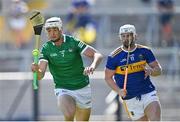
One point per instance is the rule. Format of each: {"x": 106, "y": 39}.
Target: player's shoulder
{"x": 68, "y": 36}
{"x": 115, "y": 52}
{"x": 47, "y": 44}
{"x": 143, "y": 47}
{"x": 73, "y": 41}
{"x": 70, "y": 39}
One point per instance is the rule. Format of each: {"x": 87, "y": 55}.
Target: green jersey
{"x": 65, "y": 63}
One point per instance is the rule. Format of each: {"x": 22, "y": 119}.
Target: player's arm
{"x": 95, "y": 56}
{"x": 110, "y": 81}
{"x": 40, "y": 68}
{"x": 154, "y": 70}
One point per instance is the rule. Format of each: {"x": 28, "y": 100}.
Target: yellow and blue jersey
{"x": 138, "y": 58}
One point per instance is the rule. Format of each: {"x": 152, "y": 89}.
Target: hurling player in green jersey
{"x": 62, "y": 53}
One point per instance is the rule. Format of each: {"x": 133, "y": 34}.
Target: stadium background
{"x": 16, "y": 94}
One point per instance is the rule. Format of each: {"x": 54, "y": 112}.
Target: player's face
{"x": 126, "y": 37}
{"x": 53, "y": 33}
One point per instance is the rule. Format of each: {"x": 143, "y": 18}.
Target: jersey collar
{"x": 129, "y": 51}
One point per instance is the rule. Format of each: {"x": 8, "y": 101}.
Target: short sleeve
{"x": 149, "y": 56}
{"x": 80, "y": 45}
{"x": 43, "y": 54}
{"x": 110, "y": 64}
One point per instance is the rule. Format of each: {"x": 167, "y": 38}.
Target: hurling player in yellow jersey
{"x": 139, "y": 95}
{"x": 62, "y": 53}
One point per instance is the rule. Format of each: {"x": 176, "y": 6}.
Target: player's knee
{"x": 69, "y": 113}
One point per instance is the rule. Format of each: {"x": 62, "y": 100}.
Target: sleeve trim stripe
{"x": 43, "y": 60}
{"x": 80, "y": 44}
{"x": 84, "y": 49}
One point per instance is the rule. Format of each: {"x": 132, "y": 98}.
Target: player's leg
{"x": 153, "y": 111}
{"x": 67, "y": 105}
{"x": 152, "y": 107}
{"x": 82, "y": 114}
{"x": 136, "y": 110}
{"x": 83, "y": 103}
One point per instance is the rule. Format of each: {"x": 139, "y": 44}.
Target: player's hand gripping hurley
{"x": 37, "y": 21}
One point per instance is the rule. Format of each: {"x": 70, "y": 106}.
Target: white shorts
{"x": 136, "y": 107}
{"x": 81, "y": 96}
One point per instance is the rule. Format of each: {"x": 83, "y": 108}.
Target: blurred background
{"x": 97, "y": 23}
